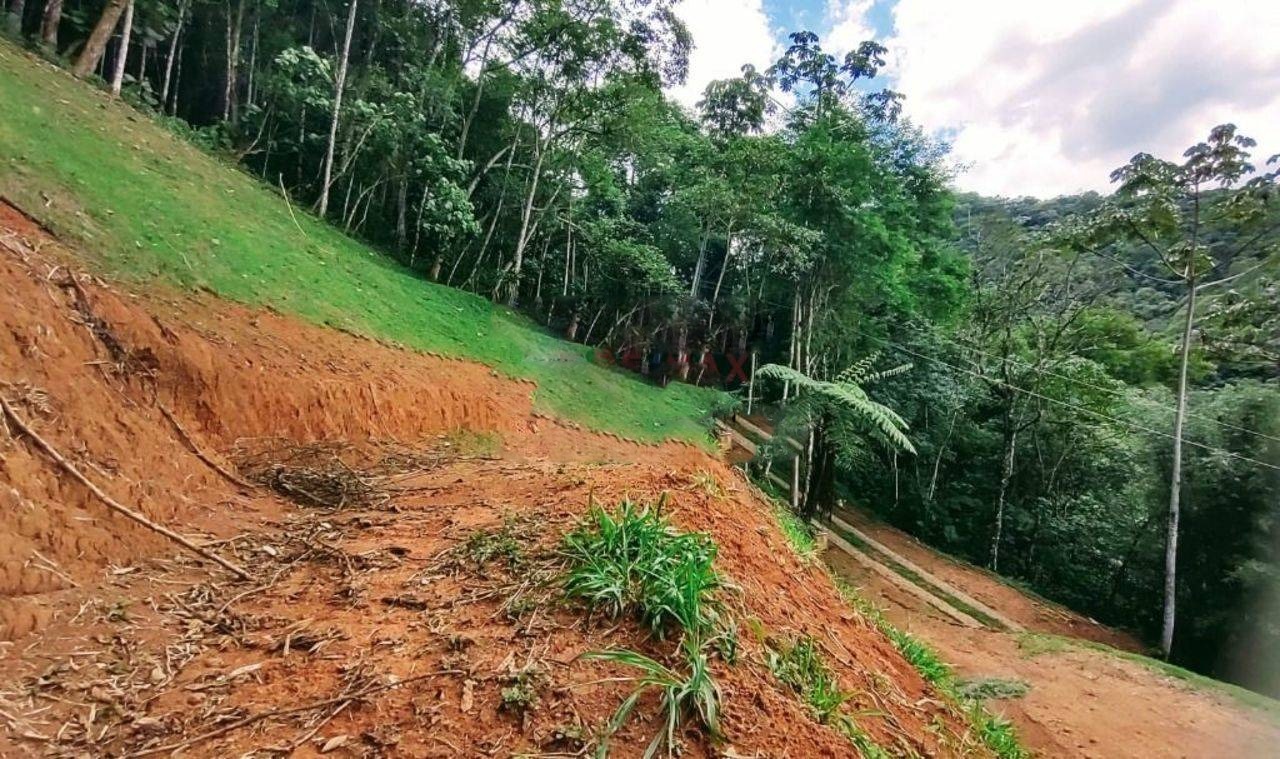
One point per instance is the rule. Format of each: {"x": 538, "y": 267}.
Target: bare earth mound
{"x": 401, "y": 528}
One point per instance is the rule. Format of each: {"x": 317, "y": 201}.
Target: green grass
{"x": 798, "y": 664}
{"x": 995, "y": 732}
{"x": 694, "y": 693}
{"x": 796, "y": 531}
{"x": 633, "y": 561}
{"x": 150, "y": 207}
{"x": 1037, "y": 644}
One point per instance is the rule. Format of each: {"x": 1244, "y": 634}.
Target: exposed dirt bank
{"x": 373, "y": 628}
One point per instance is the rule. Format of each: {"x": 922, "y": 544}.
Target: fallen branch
{"x": 112, "y": 503}
{"x": 190, "y": 443}
{"x": 289, "y": 206}
{"x": 253, "y": 718}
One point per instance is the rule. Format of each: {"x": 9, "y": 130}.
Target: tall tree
{"x": 49, "y": 23}
{"x": 96, "y": 45}
{"x": 122, "y": 55}
{"x": 1167, "y": 208}
{"x": 339, "y": 84}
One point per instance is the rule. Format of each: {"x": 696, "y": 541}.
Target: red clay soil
{"x": 1082, "y": 702}
{"x": 387, "y": 626}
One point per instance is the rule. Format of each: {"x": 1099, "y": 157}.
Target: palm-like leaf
{"x": 851, "y": 396}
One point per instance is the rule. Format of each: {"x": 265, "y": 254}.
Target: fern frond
{"x": 850, "y": 396}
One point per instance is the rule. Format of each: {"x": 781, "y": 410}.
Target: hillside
{"x": 273, "y": 480}
{"x": 418, "y": 599}
{"x": 148, "y": 206}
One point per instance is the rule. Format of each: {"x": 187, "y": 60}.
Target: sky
{"x": 1036, "y": 97}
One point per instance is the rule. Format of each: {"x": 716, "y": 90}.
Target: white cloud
{"x": 848, "y": 24}
{"x": 726, "y": 35}
{"x": 1045, "y": 98}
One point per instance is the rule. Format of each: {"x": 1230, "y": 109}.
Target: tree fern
{"x": 846, "y": 393}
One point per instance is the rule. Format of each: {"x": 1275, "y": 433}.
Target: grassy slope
{"x": 151, "y": 207}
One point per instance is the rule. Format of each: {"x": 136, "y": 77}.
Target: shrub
{"x": 634, "y": 562}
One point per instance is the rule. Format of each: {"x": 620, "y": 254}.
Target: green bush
{"x": 632, "y": 561}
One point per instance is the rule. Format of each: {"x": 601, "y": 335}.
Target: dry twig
{"x": 190, "y": 443}
{"x": 70, "y": 469}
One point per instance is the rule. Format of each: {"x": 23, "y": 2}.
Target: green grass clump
{"x": 475, "y": 443}
{"x": 152, "y": 207}
{"x": 633, "y": 561}
{"x": 995, "y": 732}
{"x": 799, "y": 664}
{"x": 797, "y": 533}
{"x": 693, "y": 693}
{"x": 992, "y": 688}
{"x": 484, "y": 546}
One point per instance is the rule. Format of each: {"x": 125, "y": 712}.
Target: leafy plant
{"x": 632, "y": 561}
{"x": 846, "y": 392}
{"x": 799, "y": 664}
{"x": 997, "y": 733}
{"x": 693, "y": 693}
{"x": 484, "y": 546}
{"x": 521, "y": 692}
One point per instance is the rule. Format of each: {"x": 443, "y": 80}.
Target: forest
{"x": 1081, "y": 394}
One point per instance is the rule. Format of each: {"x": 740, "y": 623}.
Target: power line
{"x": 1098, "y": 414}
{"x": 1111, "y": 391}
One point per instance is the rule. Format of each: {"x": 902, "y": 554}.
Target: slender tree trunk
{"x": 697, "y": 268}
{"x": 17, "y": 9}
{"x": 250, "y": 91}
{"x": 173, "y": 49}
{"x": 230, "y": 108}
{"x": 522, "y": 242}
{"x": 341, "y": 82}
{"x": 402, "y": 210}
{"x": 94, "y": 47}
{"x": 724, "y": 266}
{"x": 937, "y": 460}
{"x": 1175, "y": 481}
{"x": 122, "y": 55}
{"x": 142, "y": 62}
{"x": 177, "y": 82}
{"x": 49, "y": 22}
{"x": 1006, "y": 475}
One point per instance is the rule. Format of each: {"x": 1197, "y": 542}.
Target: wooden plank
{"x": 928, "y": 576}
{"x": 898, "y": 580}
{"x": 740, "y": 440}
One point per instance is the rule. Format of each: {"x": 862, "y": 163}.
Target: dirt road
{"x": 1082, "y": 702}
